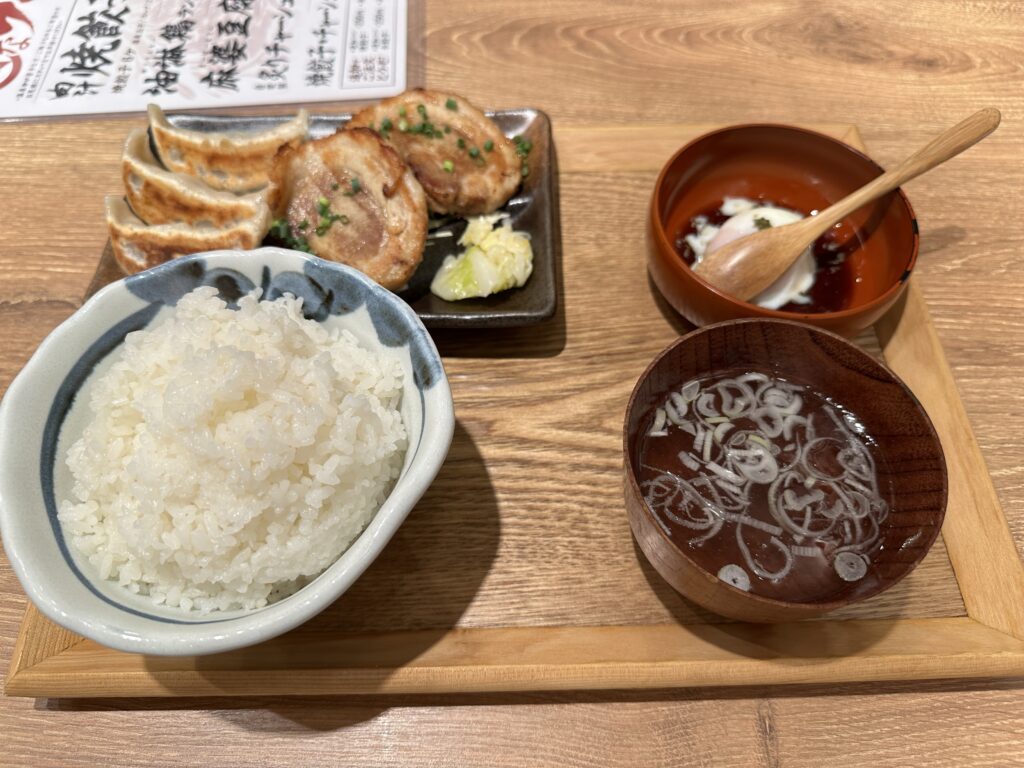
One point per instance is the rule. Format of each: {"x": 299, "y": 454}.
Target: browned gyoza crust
{"x": 138, "y": 246}
{"x": 466, "y": 180}
{"x": 227, "y": 160}
{"x": 384, "y": 226}
{"x": 158, "y": 196}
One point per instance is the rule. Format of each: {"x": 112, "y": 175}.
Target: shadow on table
{"x": 939, "y": 239}
{"x": 756, "y": 641}
{"x": 680, "y": 324}
{"x": 546, "y": 339}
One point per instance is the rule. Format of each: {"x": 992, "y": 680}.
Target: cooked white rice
{"x": 232, "y": 455}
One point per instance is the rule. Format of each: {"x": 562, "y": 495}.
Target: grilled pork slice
{"x": 349, "y": 198}
{"x": 138, "y": 246}
{"x": 462, "y": 159}
{"x": 237, "y": 161}
{"x": 158, "y": 196}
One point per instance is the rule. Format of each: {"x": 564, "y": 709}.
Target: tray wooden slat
{"x": 975, "y": 530}
{"x": 513, "y": 574}
{"x": 545, "y": 658}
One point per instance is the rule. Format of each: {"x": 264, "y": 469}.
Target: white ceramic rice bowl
{"x": 61, "y": 583}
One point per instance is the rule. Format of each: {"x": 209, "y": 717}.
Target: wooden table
{"x": 901, "y": 73}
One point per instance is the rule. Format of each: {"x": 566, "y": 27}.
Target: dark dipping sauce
{"x": 805, "y": 524}
{"x": 834, "y": 275}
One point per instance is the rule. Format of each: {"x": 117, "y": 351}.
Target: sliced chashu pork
{"x": 138, "y": 246}
{"x": 237, "y": 161}
{"x": 464, "y": 162}
{"x": 349, "y": 198}
{"x": 158, "y": 196}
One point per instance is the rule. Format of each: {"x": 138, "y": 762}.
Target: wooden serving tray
{"x": 517, "y": 570}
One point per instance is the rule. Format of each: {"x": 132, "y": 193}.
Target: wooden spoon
{"x": 748, "y": 265}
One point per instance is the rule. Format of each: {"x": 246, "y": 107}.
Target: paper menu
{"x": 71, "y": 57}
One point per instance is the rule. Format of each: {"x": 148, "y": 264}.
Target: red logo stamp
{"x": 16, "y": 32}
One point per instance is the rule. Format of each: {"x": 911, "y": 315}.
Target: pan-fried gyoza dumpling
{"x": 349, "y": 198}
{"x": 158, "y": 196}
{"x": 138, "y": 246}
{"x": 465, "y": 163}
{"x": 237, "y": 161}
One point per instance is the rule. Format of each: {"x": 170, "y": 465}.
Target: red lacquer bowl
{"x": 797, "y": 169}
{"x": 911, "y": 465}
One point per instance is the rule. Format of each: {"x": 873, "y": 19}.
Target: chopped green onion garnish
{"x": 451, "y": 105}
{"x": 461, "y": 143}
{"x": 356, "y": 185}
{"x": 401, "y": 111}
{"x": 385, "y": 124}
{"x": 422, "y": 110}
{"x": 328, "y": 220}
{"x": 474, "y": 152}
{"x": 280, "y": 229}
{"x": 526, "y": 171}
{"x": 304, "y": 224}
{"x": 403, "y": 126}
{"x": 523, "y": 146}
{"x": 488, "y": 145}
{"x": 448, "y": 165}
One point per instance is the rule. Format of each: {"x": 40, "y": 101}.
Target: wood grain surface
{"x": 409, "y": 626}
{"x": 901, "y": 73}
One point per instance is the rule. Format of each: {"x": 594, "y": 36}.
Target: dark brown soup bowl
{"x": 797, "y": 169}
{"x": 910, "y": 467}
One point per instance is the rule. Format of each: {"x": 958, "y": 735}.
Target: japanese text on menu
{"x": 94, "y": 56}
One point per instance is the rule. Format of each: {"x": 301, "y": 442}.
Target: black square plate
{"x": 534, "y": 209}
